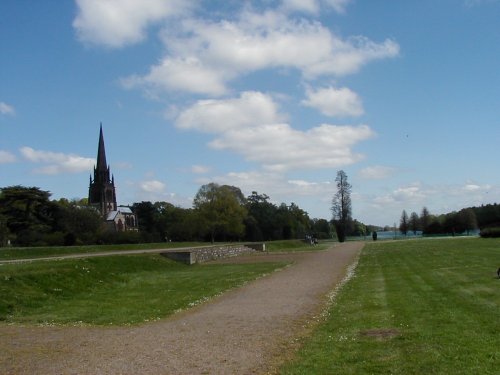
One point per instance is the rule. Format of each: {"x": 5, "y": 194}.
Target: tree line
{"x": 28, "y": 217}
{"x": 485, "y": 217}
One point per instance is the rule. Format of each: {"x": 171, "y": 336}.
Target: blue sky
{"x": 269, "y": 96}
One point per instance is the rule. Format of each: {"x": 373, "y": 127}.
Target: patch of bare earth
{"x": 249, "y": 330}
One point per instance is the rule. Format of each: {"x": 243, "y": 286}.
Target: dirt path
{"x": 245, "y": 331}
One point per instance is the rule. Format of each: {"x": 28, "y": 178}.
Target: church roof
{"x": 112, "y": 215}
{"x": 121, "y": 210}
{"x": 125, "y": 210}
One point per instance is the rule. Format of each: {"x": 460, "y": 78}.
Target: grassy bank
{"x": 296, "y": 245}
{"x": 413, "y": 307}
{"x": 8, "y": 253}
{"x": 114, "y": 290}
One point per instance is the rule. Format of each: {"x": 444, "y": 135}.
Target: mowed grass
{"x": 116, "y": 290}
{"x": 9, "y": 253}
{"x": 296, "y": 245}
{"x": 412, "y": 307}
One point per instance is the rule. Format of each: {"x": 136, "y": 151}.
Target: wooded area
{"x": 220, "y": 213}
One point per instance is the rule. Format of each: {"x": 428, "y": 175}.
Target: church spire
{"x": 101, "y": 154}
{"x": 102, "y": 193}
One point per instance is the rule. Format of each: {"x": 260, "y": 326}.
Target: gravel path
{"x": 249, "y": 330}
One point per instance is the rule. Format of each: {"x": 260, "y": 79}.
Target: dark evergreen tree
{"x": 404, "y": 223}
{"x": 341, "y": 205}
{"x": 414, "y": 224}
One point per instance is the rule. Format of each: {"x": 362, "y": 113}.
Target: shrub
{"x": 490, "y": 232}
{"x": 111, "y": 237}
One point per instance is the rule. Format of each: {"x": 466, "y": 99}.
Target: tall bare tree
{"x": 341, "y": 205}
{"x": 404, "y": 223}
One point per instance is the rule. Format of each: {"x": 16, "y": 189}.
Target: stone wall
{"x": 205, "y": 254}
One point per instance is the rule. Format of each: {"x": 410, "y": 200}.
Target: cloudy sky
{"x": 269, "y": 96}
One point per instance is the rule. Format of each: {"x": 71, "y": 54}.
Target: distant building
{"x": 102, "y": 195}
{"x": 122, "y": 219}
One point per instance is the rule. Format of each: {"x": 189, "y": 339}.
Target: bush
{"x": 491, "y": 232}
{"x": 118, "y": 238}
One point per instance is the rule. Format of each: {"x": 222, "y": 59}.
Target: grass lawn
{"x": 412, "y": 307}
{"x": 8, "y": 253}
{"x": 114, "y": 290}
{"x": 296, "y": 245}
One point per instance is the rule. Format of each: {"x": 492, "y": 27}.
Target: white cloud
{"x": 276, "y": 185}
{"x": 56, "y": 163}
{"x": 153, "y": 190}
{"x": 115, "y": 23}
{"x": 307, "y": 6}
{"x": 278, "y": 147}
{"x": 185, "y": 74}
{"x": 408, "y": 193}
{"x": 377, "y": 172}
{"x": 251, "y": 126}
{"x": 335, "y": 102}
{"x": 386, "y": 208}
{"x": 203, "y": 56}
{"x": 6, "y": 157}
{"x": 471, "y": 187}
{"x": 200, "y": 169}
{"x": 152, "y": 186}
{"x": 348, "y": 56}
{"x": 123, "y": 165}
{"x": 264, "y": 182}
{"x": 314, "y": 6}
{"x": 6, "y": 109}
{"x": 215, "y": 116}
{"x": 404, "y": 197}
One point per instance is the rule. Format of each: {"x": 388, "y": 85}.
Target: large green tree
{"x": 220, "y": 211}
{"x": 176, "y": 223}
{"x": 320, "y": 228}
{"x": 150, "y": 222}
{"x": 28, "y": 213}
{"x": 341, "y": 205}
{"x": 261, "y": 222}
{"x": 77, "y": 222}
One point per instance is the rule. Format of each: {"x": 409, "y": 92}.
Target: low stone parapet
{"x": 205, "y": 254}
{"x": 260, "y": 246}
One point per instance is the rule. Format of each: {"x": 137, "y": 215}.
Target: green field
{"x": 412, "y": 307}
{"x": 116, "y": 290}
{"x": 296, "y": 245}
{"x": 8, "y": 253}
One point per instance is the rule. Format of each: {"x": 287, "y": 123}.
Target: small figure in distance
{"x": 498, "y": 273}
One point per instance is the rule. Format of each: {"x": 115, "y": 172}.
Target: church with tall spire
{"x": 102, "y": 194}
